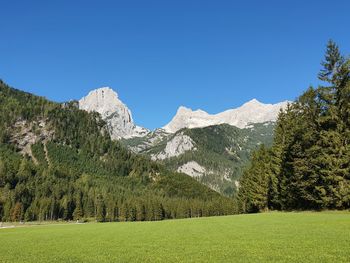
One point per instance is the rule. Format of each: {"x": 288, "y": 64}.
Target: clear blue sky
{"x": 158, "y": 55}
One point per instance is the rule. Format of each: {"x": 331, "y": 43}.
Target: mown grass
{"x": 269, "y": 237}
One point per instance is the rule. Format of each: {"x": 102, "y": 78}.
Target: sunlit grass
{"x": 276, "y": 237}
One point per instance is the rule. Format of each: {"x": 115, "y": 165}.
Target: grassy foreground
{"x": 272, "y": 237}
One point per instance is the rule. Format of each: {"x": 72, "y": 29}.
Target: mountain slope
{"x": 211, "y": 148}
{"x": 58, "y": 162}
{"x": 214, "y": 155}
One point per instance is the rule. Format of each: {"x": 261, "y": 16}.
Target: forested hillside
{"x": 308, "y": 166}
{"x": 217, "y": 156}
{"x": 58, "y": 162}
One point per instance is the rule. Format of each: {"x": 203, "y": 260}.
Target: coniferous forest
{"x": 308, "y": 166}
{"x": 58, "y": 163}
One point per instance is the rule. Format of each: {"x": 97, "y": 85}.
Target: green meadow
{"x": 267, "y": 237}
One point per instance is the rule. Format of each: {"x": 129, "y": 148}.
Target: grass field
{"x": 272, "y": 237}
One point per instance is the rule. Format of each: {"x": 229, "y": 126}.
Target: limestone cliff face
{"x": 177, "y": 146}
{"x": 117, "y": 115}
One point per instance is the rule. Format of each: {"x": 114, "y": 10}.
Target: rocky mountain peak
{"x": 253, "y": 102}
{"x": 104, "y": 101}
{"x": 183, "y": 109}
{"x": 117, "y": 115}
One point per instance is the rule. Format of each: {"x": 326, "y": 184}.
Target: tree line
{"x": 308, "y": 166}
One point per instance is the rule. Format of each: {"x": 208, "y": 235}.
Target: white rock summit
{"x": 121, "y": 125}
{"x": 251, "y": 112}
{"x": 117, "y": 115}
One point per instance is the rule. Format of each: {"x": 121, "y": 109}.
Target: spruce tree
{"x": 255, "y": 183}
{"x": 78, "y": 211}
{"x": 100, "y": 209}
{"x": 3, "y": 173}
{"x": 333, "y": 158}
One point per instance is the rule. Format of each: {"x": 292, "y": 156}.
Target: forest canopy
{"x": 308, "y": 166}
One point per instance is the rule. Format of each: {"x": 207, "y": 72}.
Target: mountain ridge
{"x": 252, "y": 111}
{"x": 211, "y": 148}
{"x": 122, "y": 126}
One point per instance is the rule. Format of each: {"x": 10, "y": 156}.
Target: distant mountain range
{"x": 250, "y": 112}
{"x": 211, "y": 148}
{"x": 119, "y": 118}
